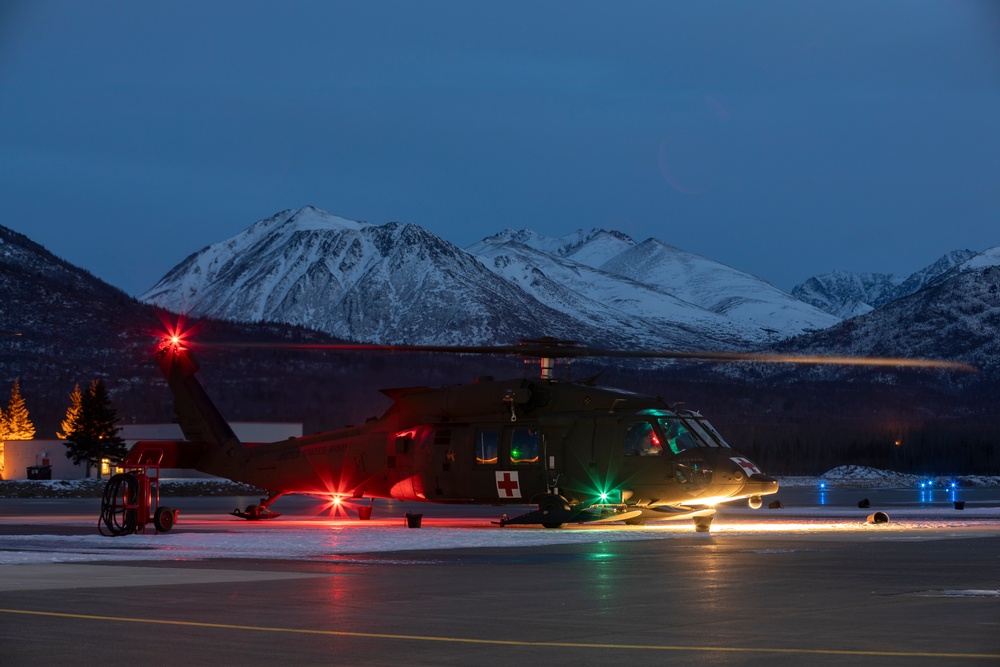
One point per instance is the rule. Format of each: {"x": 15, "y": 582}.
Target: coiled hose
{"x": 117, "y": 519}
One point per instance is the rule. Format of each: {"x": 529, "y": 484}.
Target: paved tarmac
{"x": 920, "y": 591}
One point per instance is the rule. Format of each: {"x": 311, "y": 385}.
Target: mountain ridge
{"x": 310, "y": 268}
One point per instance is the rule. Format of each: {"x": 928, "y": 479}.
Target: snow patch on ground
{"x": 851, "y": 476}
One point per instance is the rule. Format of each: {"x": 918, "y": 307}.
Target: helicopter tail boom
{"x": 200, "y": 420}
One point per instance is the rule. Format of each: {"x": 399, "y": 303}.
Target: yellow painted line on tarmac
{"x": 508, "y": 642}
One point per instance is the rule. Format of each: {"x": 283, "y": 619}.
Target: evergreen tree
{"x": 17, "y": 422}
{"x": 95, "y": 436}
{"x": 72, "y": 414}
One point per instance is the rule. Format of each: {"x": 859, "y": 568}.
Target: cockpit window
{"x": 715, "y": 435}
{"x": 679, "y": 435}
{"x": 666, "y": 429}
{"x": 642, "y": 440}
{"x": 702, "y": 434}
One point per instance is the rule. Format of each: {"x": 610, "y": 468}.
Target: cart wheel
{"x": 163, "y": 519}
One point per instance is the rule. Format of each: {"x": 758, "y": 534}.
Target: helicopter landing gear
{"x": 703, "y": 524}
{"x": 258, "y": 512}
{"x": 553, "y": 506}
{"x": 553, "y": 511}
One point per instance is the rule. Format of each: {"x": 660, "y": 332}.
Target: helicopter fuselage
{"x": 510, "y": 442}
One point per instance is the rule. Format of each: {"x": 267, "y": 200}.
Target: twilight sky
{"x": 785, "y": 139}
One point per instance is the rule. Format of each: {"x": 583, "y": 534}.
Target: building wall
{"x": 18, "y": 455}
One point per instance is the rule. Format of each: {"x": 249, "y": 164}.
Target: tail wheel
{"x": 163, "y": 519}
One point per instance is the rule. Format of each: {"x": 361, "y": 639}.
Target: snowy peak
{"x": 592, "y": 248}
{"x": 920, "y": 279}
{"x": 717, "y": 288}
{"x": 288, "y": 224}
{"x": 399, "y": 283}
{"x": 953, "y": 317}
{"x": 848, "y": 294}
{"x": 392, "y": 283}
{"x": 651, "y": 282}
{"x": 983, "y": 260}
{"x": 651, "y": 316}
{"x": 307, "y": 218}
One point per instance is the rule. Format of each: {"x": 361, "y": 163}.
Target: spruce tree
{"x": 72, "y": 414}
{"x": 16, "y": 419}
{"x": 95, "y": 435}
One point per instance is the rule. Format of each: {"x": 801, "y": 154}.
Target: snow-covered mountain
{"x": 398, "y": 283}
{"x": 846, "y": 294}
{"x": 721, "y": 289}
{"x": 649, "y": 280}
{"x": 956, "y": 316}
{"x": 392, "y": 283}
{"x": 592, "y": 248}
{"x": 591, "y": 295}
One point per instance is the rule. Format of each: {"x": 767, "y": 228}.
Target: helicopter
{"x": 576, "y": 451}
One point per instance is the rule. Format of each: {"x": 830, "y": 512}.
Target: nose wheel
{"x": 703, "y": 524}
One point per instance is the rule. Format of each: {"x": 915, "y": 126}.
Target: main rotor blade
{"x": 569, "y": 350}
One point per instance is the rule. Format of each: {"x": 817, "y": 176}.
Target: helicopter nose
{"x": 755, "y": 482}
{"x": 760, "y": 484}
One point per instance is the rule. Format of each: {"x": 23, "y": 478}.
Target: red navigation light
{"x": 174, "y": 335}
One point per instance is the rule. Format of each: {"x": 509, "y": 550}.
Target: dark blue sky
{"x": 785, "y": 139}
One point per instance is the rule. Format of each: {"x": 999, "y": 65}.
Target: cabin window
{"x": 487, "y": 446}
{"x": 641, "y": 440}
{"x": 524, "y": 445}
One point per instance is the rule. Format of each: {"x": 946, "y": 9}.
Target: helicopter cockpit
{"x": 677, "y": 431}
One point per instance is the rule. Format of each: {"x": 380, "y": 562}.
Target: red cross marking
{"x": 747, "y": 465}
{"x": 507, "y": 484}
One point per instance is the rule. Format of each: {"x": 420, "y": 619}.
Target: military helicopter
{"x": 576, "y": 451}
